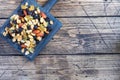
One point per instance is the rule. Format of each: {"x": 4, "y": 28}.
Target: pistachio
{"x": 31, "y": 50}
{"x": 42, "y": 28}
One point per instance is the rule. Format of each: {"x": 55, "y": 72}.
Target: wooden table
{"x": 86, "y": 48}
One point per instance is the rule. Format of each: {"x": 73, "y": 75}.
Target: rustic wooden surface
{"x": 86, "y": 48}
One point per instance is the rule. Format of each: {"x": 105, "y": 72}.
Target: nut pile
{"x": 28, "y": 27}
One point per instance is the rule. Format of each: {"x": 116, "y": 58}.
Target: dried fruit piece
{"x": 20, "y": 24}
{"x": 25, "y": 13}
{"x": 36, "y": 31}
{"x": 41, "y": 34}
{"x": 43, "y": 15}
{"x": 23, "y": 46}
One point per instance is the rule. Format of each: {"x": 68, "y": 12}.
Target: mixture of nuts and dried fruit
{"x": 28, "y": 27}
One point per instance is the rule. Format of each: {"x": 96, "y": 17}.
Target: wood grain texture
{"x": 92, "y": 67}
{"x": 86, "y": 48}
{"x": 81, "y": 35}
{"x": 70, "y": 8}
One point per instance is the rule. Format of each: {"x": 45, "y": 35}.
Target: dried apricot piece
{"x": 36, "y": 31}
{"x": 23, "y": 46}
{"x": 43, "y": 15}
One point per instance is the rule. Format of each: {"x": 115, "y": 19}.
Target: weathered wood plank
{"x": 70, "y": 8}
{"x": 92, "y": 67}
{"x": 81, "y": 35}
